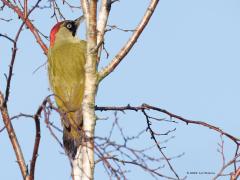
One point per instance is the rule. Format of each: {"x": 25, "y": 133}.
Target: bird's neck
{"x": 65, "y": 37}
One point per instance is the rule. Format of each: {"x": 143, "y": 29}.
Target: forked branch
{"x": 171, "y": 115}
{"x": 133, "y": 39}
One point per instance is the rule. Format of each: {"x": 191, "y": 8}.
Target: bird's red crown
{"x": 53, "y": 33}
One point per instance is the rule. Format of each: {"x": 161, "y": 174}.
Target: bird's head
{"x": 64, "y": 30}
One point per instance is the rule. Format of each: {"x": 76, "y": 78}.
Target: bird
{"x": 66, "y": 60}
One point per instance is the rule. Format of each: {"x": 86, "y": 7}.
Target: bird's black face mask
{"x": 71, "y": 26}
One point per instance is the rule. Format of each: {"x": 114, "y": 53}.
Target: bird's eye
{"x": 69, "y": 25}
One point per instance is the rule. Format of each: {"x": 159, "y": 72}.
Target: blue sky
{"x": 186, "y": 61}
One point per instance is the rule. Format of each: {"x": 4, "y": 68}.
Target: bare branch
{"x": 10, "y": 73}
{"x": 29, "y": 24}
{"x": 112, "y": 27}
{"x": 235, "y": 176}
{"x": 157, "y": 144}
{"x": 17, "y": 116}
{"x": 85, "y": 8}
{"x": 37, "y": 139}
{"x": 115, "y": 156}
{"x": 221, "y": 150}
{"x": 236, "y": 152}
{"x": 49, "y": 124}
{"x": 144, "y": 167}
{"x": 101, "y": 24}
{"x": 225, "y": 166}
{"x": 187, "y": 121}
{"x": 13, "y": 138}
{"x": 102, "y": 20}
{"x": 6, "y": 20}
{"x": 25, "y": 10}
{"x": 56, "y": 10}
{"x": 14, "y": 50}
{"x": 70, "y": 5}
{"x": 4, "y": 110}
{"x": 7, "y": 37}
{"x": 127, "y": 47}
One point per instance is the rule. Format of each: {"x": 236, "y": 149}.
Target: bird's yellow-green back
{"x": 66, "y": 60}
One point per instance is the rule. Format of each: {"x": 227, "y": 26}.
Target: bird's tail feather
{"x": 71, "y": 141}
{"x": 72, "y": 131}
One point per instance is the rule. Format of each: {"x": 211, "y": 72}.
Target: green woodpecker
{"x": 66, "y": 60}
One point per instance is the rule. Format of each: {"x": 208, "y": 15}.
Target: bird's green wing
{"x": 66, "y": 75}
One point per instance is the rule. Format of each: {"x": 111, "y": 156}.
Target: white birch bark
{"x": 83, "y": 166}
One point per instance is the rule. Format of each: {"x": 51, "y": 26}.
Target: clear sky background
{"x": 186, "y": 61}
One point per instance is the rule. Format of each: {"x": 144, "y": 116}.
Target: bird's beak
{"x": 79, "y": 20}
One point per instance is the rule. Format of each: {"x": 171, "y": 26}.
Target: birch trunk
{"x": 83, "y": 166}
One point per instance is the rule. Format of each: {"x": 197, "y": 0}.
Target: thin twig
{"x": 7, "y": 37}
{"x": 235, "y": 163}
{"x": 221, "y": 150}
{"x": 157, "y": 144}
{"x": 225, "y": 166}
{"x": 17, "y": 116}
{"x": 235, "y": 175}
{"x": 143, "y": 167}
{"x": 29, "y": 24}
{"x": 6, "y": 20}
{"x": 37, "y": 139}
{"x": 120, "y": 29}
